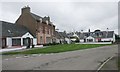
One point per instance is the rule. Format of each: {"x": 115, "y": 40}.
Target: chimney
{"x": 89, "y": 30}
{"x": 48, "y": 18}
{"x": 25, "y": 9}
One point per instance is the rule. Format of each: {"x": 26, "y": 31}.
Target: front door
{"x": 3, "y": 42}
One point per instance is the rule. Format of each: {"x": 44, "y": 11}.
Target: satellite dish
{"x": 9, "y": 31}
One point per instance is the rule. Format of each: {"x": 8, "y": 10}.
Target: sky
{"x": 69, "y": 16}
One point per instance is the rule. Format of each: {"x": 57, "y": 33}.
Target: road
{"x": 88, "y": 59}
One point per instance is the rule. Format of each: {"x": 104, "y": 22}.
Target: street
{"x": 88, "y": 59}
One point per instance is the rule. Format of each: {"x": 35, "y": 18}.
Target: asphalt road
{"x": 88, "y": 59}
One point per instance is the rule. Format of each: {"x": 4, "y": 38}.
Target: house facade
{"x": 16, "y": 35}
{"x": 97, "y": 36}
{"x": 41, "y": 27}
{"x": 61, "y": 37}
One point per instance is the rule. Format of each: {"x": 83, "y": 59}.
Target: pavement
{"x": 11, "y": 49}
{"x": 16, "y": 49}
{"x": 88, "y": 59}
{"x": 111, "y": 64}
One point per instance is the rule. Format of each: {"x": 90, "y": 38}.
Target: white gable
{"x": 90, "y": 37}
{"x": 27, "y": 35}
{"x": 75, "y": 35}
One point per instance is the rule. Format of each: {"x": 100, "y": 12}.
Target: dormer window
{"x": 47, "y": 22}
{"x": 40, "y": 20}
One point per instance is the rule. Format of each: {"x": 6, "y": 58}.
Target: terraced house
{"x": 39, "y": 26}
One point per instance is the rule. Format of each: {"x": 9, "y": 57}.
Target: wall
{"x": 68, "y": 40}
{"x": 9, "y": 41}
{"x": 81, "y": 40}
{"x": 27, "y": 35}
{"x": 34, "y": 41}
{"x": 28, "y": 21}
{"x": 107, "y": 39}
{"x": 90, "y": 37}
{"x": 114, "y": 37}
{"x": 57, "y": 40}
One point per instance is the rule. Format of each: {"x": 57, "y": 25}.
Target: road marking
{"x": 104, "y": 64}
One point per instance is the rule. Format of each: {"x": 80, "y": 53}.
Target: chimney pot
{"x": 25, "y": 9}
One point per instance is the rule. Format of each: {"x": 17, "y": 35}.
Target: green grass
{"x": 57, "y": 49}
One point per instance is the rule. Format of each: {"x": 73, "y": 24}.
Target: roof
{"x": 57, "y": 35}
{"x": 63, "y": 34}
{"x": 60, "y": 34}
{"x": 13, "y": 30}
{"x": 44, "y": 19}
{"x": 35, "y": 16}
{"x": 95, "y": 34}
{"x": 100, "y": 34}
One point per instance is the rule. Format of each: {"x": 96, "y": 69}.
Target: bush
{"x": 33, "y": 46}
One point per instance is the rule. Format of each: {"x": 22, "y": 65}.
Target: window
{"x": 52, "y": 31}
{"x": 89, "y": 40}
{"x": 41, "y": 40}
{"x": 43, "y": 29}
{"x": 16, "y": 42}
{"x": 47, "y": 31}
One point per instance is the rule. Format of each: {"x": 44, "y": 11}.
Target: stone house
{"x": 41, "y": 27}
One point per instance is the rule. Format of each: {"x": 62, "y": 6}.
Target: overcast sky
{"x": 69, "y": 16}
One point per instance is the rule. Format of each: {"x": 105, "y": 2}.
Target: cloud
{"x": 69, "y": 16}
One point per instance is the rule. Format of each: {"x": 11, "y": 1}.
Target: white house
{"x": 90, "y": 39}
{"x": 16, "y": 35}
{"x": 97, "y": 36}
{"x": 62, "y": 37}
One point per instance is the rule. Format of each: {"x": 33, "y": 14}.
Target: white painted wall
{"x": 34, "y": 41}
{"x": 81, "y": 40}
{"x": 90, "y": 37}
{"x": 9, "y": 41}
{"x": 21, "y": 41}
{"x": 107, "y": 39}
{"x": 30, "y": 36}
{"x": 57, "y": 40}
{"x": 114, "y": 37}
{"x": 73, "y": 39}
{"x": 27, "y": 35}
{"x": 68, "y": 40}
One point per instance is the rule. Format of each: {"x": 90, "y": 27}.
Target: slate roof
{"x": 44, "y": 19}
{"x": 63, "y": 34}
{"x": 97, "y": 34}
{"x": 35, "y": 16}
{"x": 57, "y": 35}
{"x": 101, "y": 34}
{"x": 12, "y": 30}
{"x": 60, "y": 35}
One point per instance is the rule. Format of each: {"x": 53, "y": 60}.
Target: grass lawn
{"x": 57, "y": 48}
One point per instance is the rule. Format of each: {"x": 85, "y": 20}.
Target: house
{"x": 16, "y": 35}
{"x": 41, "y": 27}
{"x": 61, "y": 37}
{"x": 74, "y": 36}
{"x": 97, "y": 36}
